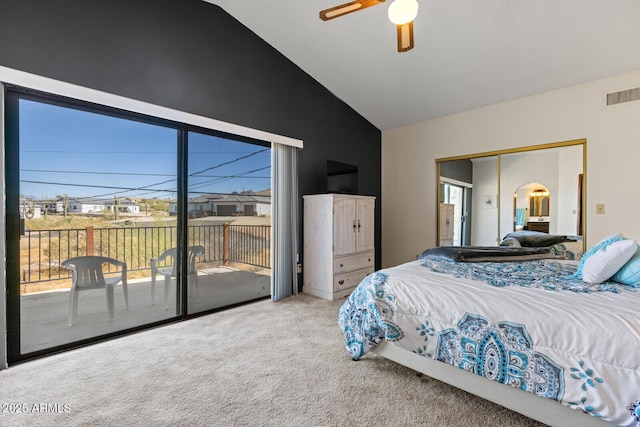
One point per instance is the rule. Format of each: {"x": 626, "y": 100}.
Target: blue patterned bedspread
{"x": 544, "y": 274}
{"x": 515, "y": 323}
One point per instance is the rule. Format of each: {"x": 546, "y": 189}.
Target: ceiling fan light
{"x": 403, "y": 11}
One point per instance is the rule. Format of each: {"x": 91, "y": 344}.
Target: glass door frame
{"x": 12, "y": 94}
{"x": 461, "y": 212}
{"x": 183, "y": 219}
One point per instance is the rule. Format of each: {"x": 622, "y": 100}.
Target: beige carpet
{"x": 263, "y": 364}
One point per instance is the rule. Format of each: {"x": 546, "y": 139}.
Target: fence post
{"x": 90, "y": 240}
{"x": 225, "y": 244}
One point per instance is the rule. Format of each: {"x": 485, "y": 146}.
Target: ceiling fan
{"x": 401, "y": 12}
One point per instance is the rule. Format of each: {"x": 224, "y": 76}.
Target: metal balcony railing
{"x": 42, "y": 251}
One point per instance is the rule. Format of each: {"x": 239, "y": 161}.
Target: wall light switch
{"x": 600, "y": 208}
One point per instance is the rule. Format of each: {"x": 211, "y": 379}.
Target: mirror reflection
{"x": 539, "y": 202}
{"x": 483, "y": 197}
{"x": 531, "y": 208}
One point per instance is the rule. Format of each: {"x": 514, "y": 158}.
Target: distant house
{"x": 197, "y": 206}
{"x": 247, "y": 203}
{"x": 85, "y": 205}
{"x": 52, "y": 206}
{"x": 89, "y": 205}
{"x": 48, "y": 206}
{"x": 124, "y": 205}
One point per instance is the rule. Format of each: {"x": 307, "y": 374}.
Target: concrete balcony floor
{"x": 44, "y": 315}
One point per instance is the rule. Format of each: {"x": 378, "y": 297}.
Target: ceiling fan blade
{"x": 336, "y": 12}
{"x": 405, "y": 37}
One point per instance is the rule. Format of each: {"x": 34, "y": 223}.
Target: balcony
{"x": 234, "y": 268}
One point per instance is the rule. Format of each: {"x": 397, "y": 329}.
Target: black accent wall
{"x": 192, "y": 56}
{"x": 461, "y": 170}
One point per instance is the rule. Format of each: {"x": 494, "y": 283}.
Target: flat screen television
{"x": 342, "y": 178}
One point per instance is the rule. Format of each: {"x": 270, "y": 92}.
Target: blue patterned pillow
{"x": 629, "y": 274}
{"x": 562, "y": 250}
{"x": 607, "y": 241}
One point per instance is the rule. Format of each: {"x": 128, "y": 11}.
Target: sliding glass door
{"x": 118, "y": 221}
{"x": 92, "y": 212}
{"x": 229, "y": 221}
{"x": 456, "y": 195}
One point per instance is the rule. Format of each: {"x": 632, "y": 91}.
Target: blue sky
{"x": 82, "y": 154}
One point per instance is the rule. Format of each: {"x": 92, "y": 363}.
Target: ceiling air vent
{"x": 623, "y": 96}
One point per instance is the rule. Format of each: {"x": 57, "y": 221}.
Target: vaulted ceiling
{"x": 468, "y": 53}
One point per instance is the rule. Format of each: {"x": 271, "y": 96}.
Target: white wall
{"x": 263, "y": 209}
{"x": 570, "y": 167}
{"x": 613, "y": 150}
{"x": 485, "y": 184}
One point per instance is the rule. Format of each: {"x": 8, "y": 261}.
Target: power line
{"x": 133, "y": 173}
{"x": 63, "y": 184}
{"x": 128, "y": 152}
{"x": 229, "y": 162}
{"x": 147, "y": 187}
{"x": 227, "y": 178}
{"x": 96, "y": 173}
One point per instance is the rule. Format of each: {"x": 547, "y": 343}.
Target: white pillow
{"x": 601, "y": 244}
{"x": 607, "y": 261}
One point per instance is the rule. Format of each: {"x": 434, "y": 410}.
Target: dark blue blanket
{"x": 487, "y": 253}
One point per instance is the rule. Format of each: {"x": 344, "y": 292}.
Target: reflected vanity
{"x": 531, "y": 208}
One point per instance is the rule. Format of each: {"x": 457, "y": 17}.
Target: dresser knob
{"x": 341, "y": 281}
{"x": 341, "y": 265}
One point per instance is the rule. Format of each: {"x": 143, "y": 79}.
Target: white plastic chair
{"x": 87, "y": 273}
{"x": 168, "y": 270}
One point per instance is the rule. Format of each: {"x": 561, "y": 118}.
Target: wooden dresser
{"x": 446, "y": 224}
{"x": 339, "y": 249}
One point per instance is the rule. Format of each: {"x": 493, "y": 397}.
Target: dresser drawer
{"x": 353, "y": 262}
{"x": 349, "y": 280}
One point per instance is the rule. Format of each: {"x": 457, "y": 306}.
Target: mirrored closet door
{"x": 538, "y": 188}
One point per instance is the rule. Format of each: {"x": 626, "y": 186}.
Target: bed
{"x": 568, "y": 344}
{"x": 567, "y": 247}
